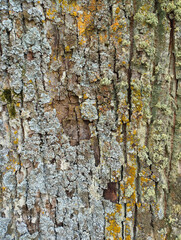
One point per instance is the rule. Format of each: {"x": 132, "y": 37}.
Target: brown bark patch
{"x": 96, "y": 149}
{"x": 111, "y": 192}
{"x": 68, "y": 113}
{"x": 30, "y": 56}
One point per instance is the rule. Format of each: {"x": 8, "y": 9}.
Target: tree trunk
{"x": 90, "y": 119}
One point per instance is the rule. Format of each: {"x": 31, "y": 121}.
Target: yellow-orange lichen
{"x": 114, "y": 228}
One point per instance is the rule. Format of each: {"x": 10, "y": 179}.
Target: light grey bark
{"x": 90, "y": 119}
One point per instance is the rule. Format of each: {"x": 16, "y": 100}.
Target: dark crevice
{"x": 152, "y": 221}
{"x": 156, "y": 190}
{"x": 125, "y": 142}
{"x": 125, "y": 210}
{"x": 119, "y": 192}
{"x": 135, "y": 223}
{"x": 116, "y": 101}
{"x": 173, "y": 88}
{"x": 23, "y": 19}
{"x": 172, "y": 68}
{"x": 138, "y": 188}
{"x": 122, "y": 172}
{"x": 27, "y": 188}
{"x": 55, "y": 216}
{"x": 111, "y": 13}
{"x": 147, "y": 134}
{"x": 44, "y": 9}
{"x": 131, "y": 39}
{"x": 104, "y": 214}
{"x": 123, "y": 222}
{"x": 57, "y": 42}
{"x": 78, "y": 128}
{"x": 165, "y": 202}
{"x": 99, "y": 54}
{"x": 98, "y": 152}
{"x": 1, "y": 52}
{"x": 122, "y": 226}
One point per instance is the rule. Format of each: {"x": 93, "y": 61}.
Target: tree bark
{"x": 90, "y": 107}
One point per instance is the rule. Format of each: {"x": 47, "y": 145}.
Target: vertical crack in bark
{"x": 152, "y": 221}
{"x": 57, "y": 55}
{"x": 23, "y": 19}
{"x": 96, "y": 149}
{"x": 116, "y": 102}
{"x": 111, "y": 13}
{"x": 118, "y": 192}
{"x": 135, "y": 222}
{"x": 172, "y": 69}
{"x": 131, "y": 37}
{"x": 98, "y": 141}
{"x": 27, "y": 188}
{"x": 124, "y": 220}
{"x": 55, "y": 216}
{"x": 174, "y": 83}
{"x": 104, "y": 214}
{"x": 165, "y": 202}
{"x": 1, "y": 190}
{"x": 156, "y": 190}
{"x": 122, "y": 172}
{"x": 125, "y": 142}
{"x": 122, "y": 226}
{"x": 147, "y": 134}
{"x": 98, "y": 52}
{"x": 138, "y": 188}
{"x": 78, "y": 127}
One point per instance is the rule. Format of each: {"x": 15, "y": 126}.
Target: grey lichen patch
{"x": 4, "y": 222}
{"x": 7, "y": 24}
{"x": 88, "y": 110}
{"x": 9, "y": 180}
{"x": 32, "y": 38}
{"x": 35, "y": 14}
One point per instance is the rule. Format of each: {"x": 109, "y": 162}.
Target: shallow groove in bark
{"x": 131, "y": 38}
{"x": 152, "y": 221}
{"x": 172, "y": 67}
{"x": 116, "y": 101}
{"x": 98, "y": 141}
{"x": 122, "y": 228}
{"x": 125, "y": 141}
{"x": 135, "y": 223}
{"x": 138, "y": 187}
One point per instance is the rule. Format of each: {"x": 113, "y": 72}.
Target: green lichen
{"x": 105, "y": 81}
{"x": 6, "y": 96}
{"x": 173, "y": 9}
{"x": 148, "y": 18}
{"x": 170, "y": 7}
{"x": 11, "y": 110}
{"x": 179, "y": 237}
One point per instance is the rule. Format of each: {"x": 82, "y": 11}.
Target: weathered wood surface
{"x": 90, "y": 119}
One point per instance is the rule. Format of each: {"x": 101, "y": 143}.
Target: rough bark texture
{"x": 90, "y": 119}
